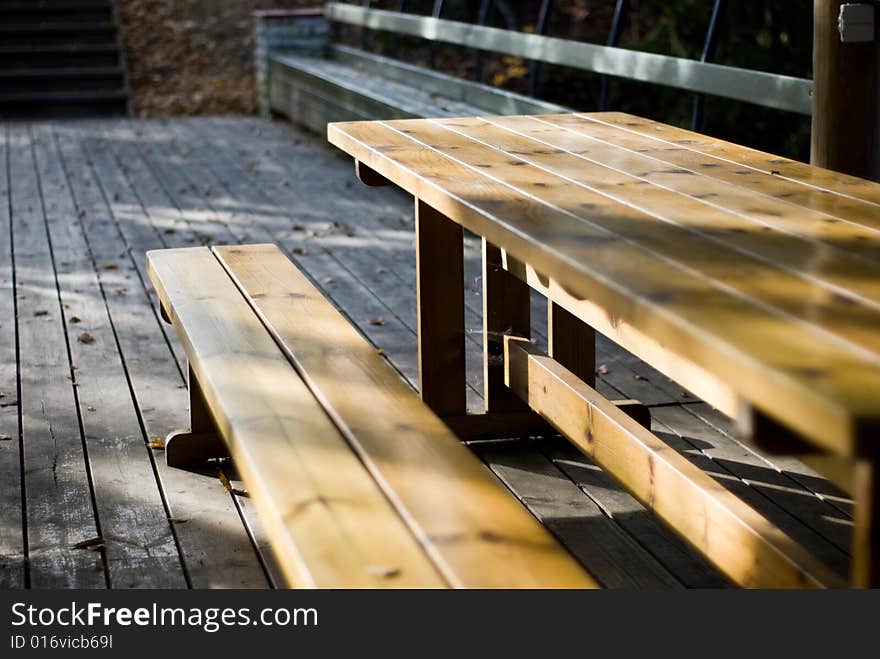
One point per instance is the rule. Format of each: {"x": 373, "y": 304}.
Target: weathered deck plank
{"x": 139, "y": 546}
{"x": 12, "y": 541}
{"x": 216, "y": 550}
{"x": 63, "y": 531}
{"x": 151, "y": 184}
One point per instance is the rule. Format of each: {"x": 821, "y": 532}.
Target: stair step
{"x": 60, "y": 58}
{"x": 41, "y": 105}
{"x": 31, "y": 15}
{"x": 57, "y": 33}
{"x": 62, "y": 80}
{"x": 56, "y": 4}
{"x": 61, "y": 110}
{"x": 13, "y": 98}
{"x": 57, "y": 56}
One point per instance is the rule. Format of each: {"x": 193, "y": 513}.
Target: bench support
{"x": 202, "y": 442}
{"x": 440, "y": 310}
{"x": 743, "y": 544}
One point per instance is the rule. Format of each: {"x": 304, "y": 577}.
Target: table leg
{"x": 866, "y": 527}
{"x": 505, "y": 312}
{"x": 571, "y": 342}
{"x": 440, "y": 309}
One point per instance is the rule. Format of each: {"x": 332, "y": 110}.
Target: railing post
{"x": 844, "y": 136}
{"x": 708, "y": 54}
{"x": 620, "y": 11}
{"x": 435, "y": 13}
{"x": 482, "y": 19}
{"x": 540, "y": 28}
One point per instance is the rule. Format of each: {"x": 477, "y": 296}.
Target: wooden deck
{"x": 90, "y": 377}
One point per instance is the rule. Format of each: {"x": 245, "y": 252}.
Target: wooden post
{"x": 844, "y": 97}
{"x": 506, "y": 311}
{"x": 866, "y": 526}
{"x": 571, "y": 342}
{"x": 440, "y": 310}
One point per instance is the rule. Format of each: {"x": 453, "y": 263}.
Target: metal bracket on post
{"x": 856, "y": 23}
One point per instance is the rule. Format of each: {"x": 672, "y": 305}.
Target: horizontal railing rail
{"x": 758, "y": 87}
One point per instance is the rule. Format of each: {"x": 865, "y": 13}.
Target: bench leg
{"x": 506, "y": 311}
{"x": 866, "y": 527}
{"x": 440, "y": 300}
{"x": 202, "y": 441}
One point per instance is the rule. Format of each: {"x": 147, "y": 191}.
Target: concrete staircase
{"x": 60, "y": 58}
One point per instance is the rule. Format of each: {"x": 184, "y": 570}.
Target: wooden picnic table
{"x": 752, "y": 280}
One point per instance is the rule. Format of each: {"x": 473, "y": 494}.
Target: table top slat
{"x": 795, "y": 210}
{"x": 793, "y": 329}
{"x": 798, "y": 172}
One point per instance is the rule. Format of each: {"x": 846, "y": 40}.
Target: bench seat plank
{"x": 784, "y": 344}
{"x": 332, "y": 525}
{"x": 477, "y": 533}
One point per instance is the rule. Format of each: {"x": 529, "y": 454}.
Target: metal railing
{"x": 702, "y": 77}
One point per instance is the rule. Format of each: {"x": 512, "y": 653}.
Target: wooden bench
{"x": 314, "y": 80}
{"x": 358, "y": 483}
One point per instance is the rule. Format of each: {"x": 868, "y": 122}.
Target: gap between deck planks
{"x": 149, "y": 184}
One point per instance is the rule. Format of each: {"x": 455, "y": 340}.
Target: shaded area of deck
{"x": 90, "y": 377}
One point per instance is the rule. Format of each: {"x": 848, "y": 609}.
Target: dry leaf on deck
{"x": 91, "y": 543}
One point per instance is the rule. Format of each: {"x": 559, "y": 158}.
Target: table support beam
{"x": 506, "y": 312}
{"x": 571, "y": 342}
{"x": 866, "y": 527}
{"x": 440, "y": 310}
{"x": 746, "y": 546}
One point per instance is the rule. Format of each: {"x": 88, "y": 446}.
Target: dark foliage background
{"x": 194, "y": 56}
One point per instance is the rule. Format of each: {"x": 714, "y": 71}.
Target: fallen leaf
{"x": 379, "y": 351}
{"x": 224, "y": 481}
{"x": 178, "y": 520}
{"x": 41, "y": 312}
{"x": 111, "y": 265}
{"x": 300, "y": 251}
{"x": 74, "y": 319}
{"x": 298, "y": 227}
{"x": 91, "y": 543}
{"x": 158, "y": 444}
{"x": 377, "y": 321}
{"x": 5, "y": 438}
{"x": 85, "y": 337}
{"x": 170, "y": 231}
